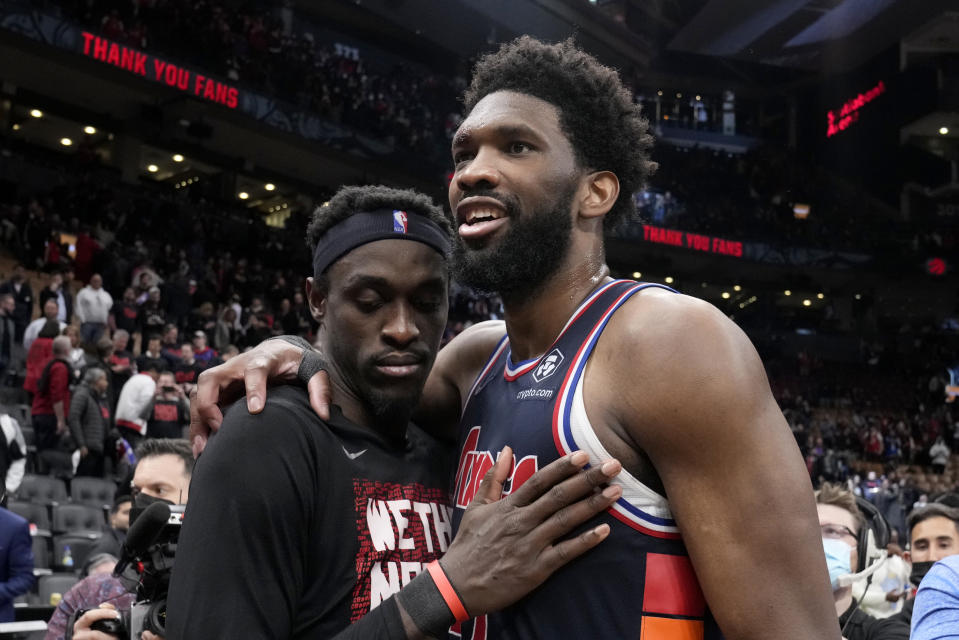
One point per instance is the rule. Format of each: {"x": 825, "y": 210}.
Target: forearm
{"x": 58, "y": 411}
{"x": 389, "y": 621}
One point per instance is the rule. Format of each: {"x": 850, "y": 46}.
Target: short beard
{"x": 532, "y": 250}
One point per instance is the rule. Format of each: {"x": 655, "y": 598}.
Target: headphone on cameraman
{"x": 871, "y": 542}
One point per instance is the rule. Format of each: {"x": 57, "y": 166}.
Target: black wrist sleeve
{"x": 312, "y": 361}
{"x": 425, "y": 605}
{"x": 382, "y": 623}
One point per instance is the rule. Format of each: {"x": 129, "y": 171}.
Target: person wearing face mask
{"x": 163, "y": 472}
{"x": 933, "y": 535}
{"x": 843, "y": 525}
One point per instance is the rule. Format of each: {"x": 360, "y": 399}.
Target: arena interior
{"x": 175, "y": 150}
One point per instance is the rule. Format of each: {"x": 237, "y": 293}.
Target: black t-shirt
{"x": 125, "y": 316}
{"x": 858, "y": 625}
{"x": 187, "y": 373}
{"x": 167, "y": 418}
{"x": 296, "y": 526}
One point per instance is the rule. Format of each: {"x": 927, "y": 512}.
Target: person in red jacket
{"x": 52, "y": 400}
{"x": 40, "y": 353}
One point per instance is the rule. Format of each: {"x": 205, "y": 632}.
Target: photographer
{"x": 169, "y": 412}
{"x": 162, "y": 474}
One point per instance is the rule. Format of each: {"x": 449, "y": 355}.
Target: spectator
{"x": 170, "y": 345}
{"x": 41, "y": 351}
{"x": 152, "y": 355}
{"x": 203, "y": 353}
{"x": 113, "y": 538}
{"x": 225, "y": 331}
{"x": 151, "y": 317}
{"x": 90, "y": 421}
{"x": 939, "y": 454}
{"x": 134, "y": 402}
{"x": 123, "y": 314}
{"x": 23, "y": 294}
{"x": 16, "y": 561}
{"x": 121, "y": 363}
{"x": 187, "y": 369}
{"x": 169, "y": 412}
{"x": 841, "y": 522}
{"x": 93, "y": 309}
{"x": 51, "y": 404}
{"x": 59, "y": 291}
{"x": 50, "y": 312}
{"x": 78, "y": 356}
{"x": 937, "y": 603}
{"x": 8, "y": 332}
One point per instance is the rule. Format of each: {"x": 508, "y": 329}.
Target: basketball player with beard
{"x": 550, "y": 151}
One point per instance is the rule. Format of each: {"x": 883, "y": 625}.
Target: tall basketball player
{"x": 717, "y": 527}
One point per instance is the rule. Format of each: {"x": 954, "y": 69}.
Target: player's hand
{"x": 272, "y": 361}
{"x": 82, "y": 630}
{"x": 506, "y": 548}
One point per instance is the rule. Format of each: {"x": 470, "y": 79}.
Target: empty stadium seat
{"x": 54, "y": 583}
{"x": 41, "y": 553}
{"x": 94, "y": 492}
{"x": 77, "y": 518}
{"x": 35, "y": 513}
{"x": 42, "y": 490}
{"x": 80, "y": 546}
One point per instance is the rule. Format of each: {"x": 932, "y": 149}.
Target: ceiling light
{"x": 725, "y": 295}
{"x": 89, "y": 130}
{"x": 285, "y": 205}
{"x": 152, "y": 168}
{"x": 668, "y": 279}
{"x": 269, "y": 186}
{"x": 736, "y": 287}
{"x": 177, "y": 157}
{"x": 66, "y": 142}
{"x": 704, "y": 285}
{"x": 698, "y": 97}
{"x": 16, "y": 127}
{"x": 806, "y": 302}
{"x": 858, "y": 297}
{"x": 36, "y": 113}
{"x": 820, "y": 296}
{"x": 943, "y": 130}
{"x": 787, "y": 292}
{"x": 679, "y": 95}
{"x": 659, "y": 93}
{"x": 637, "y": 275}
{"x": 243, "y": 195}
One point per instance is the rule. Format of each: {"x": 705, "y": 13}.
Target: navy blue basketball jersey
{"x": 638, "y": 583}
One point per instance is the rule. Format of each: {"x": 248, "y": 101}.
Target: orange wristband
{"x": 447, "y": 591}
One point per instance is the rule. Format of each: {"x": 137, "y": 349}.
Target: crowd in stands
{"x": 263, "y": 48}
{"x": 268, "y": 48}
{"x": 752, "y": 197}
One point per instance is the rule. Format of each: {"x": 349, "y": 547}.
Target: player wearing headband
{"x": 717, "y": 523}
{"x": 302, "y": 528}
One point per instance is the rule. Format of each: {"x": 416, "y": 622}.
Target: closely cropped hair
{"x": 597, "y": 113}
{"x": 836, "y": 496}
{"x": 93, "y": 375}
{"x": 350, "y": 200}
{"x": 931, "y": 510}
{"x": 152, "y": 447}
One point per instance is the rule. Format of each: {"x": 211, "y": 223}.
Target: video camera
{"x": 145, "y": 566}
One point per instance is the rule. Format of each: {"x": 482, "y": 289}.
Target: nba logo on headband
{"x": 399, "y": 221}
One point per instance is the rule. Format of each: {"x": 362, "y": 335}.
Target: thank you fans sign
{"x": 159, "y": 70}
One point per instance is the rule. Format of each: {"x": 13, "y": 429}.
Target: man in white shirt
{"x": 50, "y": 311}
{"x": 135, "y": 398}
{"x": 93, "y": 309}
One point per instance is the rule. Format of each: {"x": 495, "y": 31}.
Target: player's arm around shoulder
{"x": 686, "y": 385}
{"x": 456, "y": 367}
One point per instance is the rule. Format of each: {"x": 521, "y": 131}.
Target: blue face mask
{"x": 837, "y": 559}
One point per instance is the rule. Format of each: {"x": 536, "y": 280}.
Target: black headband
{"x": 370, "y": 226}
